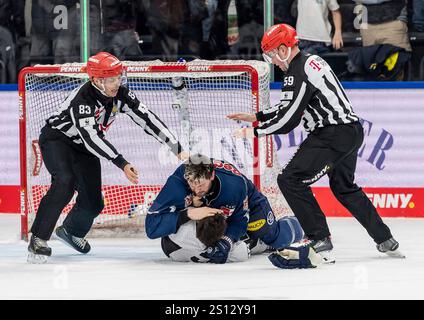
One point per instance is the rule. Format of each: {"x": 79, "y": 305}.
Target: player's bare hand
{"x": 247, "y": 133}
{"x": 197, "y": 201}
{"x": 201, "y": 213}
{"x": 183, "y": 156}
{"x": 131, "y": 173}
{"x": 242, "y": 117}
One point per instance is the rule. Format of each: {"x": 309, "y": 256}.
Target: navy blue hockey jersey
{"x": 231, "y": 192}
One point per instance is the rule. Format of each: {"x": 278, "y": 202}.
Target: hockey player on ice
{"x": 192, "y": 239}
{"x": 202, "y": 188}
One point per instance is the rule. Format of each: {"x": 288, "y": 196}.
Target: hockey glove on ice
{"x": 219, "y": 253}
{"x": 297, "y": 256}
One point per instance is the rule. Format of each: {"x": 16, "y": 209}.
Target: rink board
{"x": 389, "y": 164}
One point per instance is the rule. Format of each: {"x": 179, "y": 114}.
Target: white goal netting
{"x": 195, "y": 114}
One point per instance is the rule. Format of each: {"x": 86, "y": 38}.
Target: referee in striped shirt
{"x": 313, "y": 95}
{"x": 72, "y": 143}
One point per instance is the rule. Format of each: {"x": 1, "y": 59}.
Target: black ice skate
{"x": 79, "y": 244}
{"x": 38, "y": 251}
{"x": 324, "y": 248}
{"x": 390, "y": 247}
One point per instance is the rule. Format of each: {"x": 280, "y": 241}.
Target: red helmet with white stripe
{"x": 104, "y": 65}
{"x": 277, "y": 35}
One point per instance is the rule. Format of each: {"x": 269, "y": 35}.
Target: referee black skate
{"x": 72, "y": 143}
{"x": 313, "y": 95}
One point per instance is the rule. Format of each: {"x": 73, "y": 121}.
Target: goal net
{"x": 195, "y": 112}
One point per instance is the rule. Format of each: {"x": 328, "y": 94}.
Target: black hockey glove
{"x": 219, "y": 253}
{"x": 295, "y": 257}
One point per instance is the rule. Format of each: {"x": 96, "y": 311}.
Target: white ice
{"x": 137, "y": 269}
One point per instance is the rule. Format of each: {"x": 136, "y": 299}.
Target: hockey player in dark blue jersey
{"x": 202, "y": 188}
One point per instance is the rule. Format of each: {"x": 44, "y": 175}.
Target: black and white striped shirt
{"x": 86, "y": 114}
{"x": 311, "y": 93}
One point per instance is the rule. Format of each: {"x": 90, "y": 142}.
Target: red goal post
{"x": 195, "y": 115}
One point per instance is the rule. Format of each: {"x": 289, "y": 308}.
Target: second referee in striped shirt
{"x": 313, "y": 95}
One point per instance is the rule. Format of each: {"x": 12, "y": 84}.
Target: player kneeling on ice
{"x": 203, "y": 187}
{"x": 72, "y": 143}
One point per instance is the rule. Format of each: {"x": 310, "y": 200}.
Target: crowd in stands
{"x": 361, "y": 39}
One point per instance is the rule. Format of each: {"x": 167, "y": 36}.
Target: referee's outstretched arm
{"x": 288, "y": 112}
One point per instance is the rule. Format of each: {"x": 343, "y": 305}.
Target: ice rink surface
{"x": 137, "y": 269}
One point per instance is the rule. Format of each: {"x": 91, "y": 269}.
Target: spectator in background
{"x": 207, "y": 22}
{"x": 386, "y": 23}
{"x": 12, "y": 17}
{"x": 7, "y": 57}
{"x": 12, "y": 28}
{"x": 418, "y": 15}
{"x": 118, "y": 22}
{"x": 220, "y": 40}
{"x": 165, "y": 20}
{"x": 283, "y": 12}
{"x": 386, "y": 48}
{"x": 314, "y": 28}
{"x": 251, "y": 32}
{"x": 23, "y": 42}
{"x": 236, "y": 27}
{"x": 195, "y": 13}
{"x": 54, "y": 31}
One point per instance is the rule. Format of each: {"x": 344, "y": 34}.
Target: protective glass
{"x": 269, "y": 55}
{"x": 113, "y": 80}
{"x": 121, "y": 79}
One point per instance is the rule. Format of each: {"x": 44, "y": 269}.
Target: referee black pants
{"x": 331, "y": 150}
{"x": 71, "y": 170}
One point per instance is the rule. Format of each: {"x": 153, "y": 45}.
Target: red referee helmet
{"x": 104, "y": 65}
{"x": 277, "y": 35}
